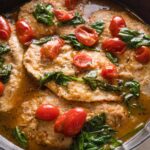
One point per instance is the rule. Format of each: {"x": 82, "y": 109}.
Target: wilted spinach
{"x": 71, "y": 39}
{"x": 134, "y": 38}
{"x": 43, "y": 14}
{"x": 98, "y": 26}
{"x": 20, "y": 137}
{"x": 114, "y": 59}
{"x": 42, "y": 40}
{"x": 78, "y": 19}
{"x": 96, "y": 135}
{"x": 4, "y": 49}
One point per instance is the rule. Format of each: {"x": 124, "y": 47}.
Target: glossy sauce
{"x": 8, "y": 121}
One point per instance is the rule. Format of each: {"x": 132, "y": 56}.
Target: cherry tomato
{"x": 71, "y": 4}
{"x": 1, "y": 88}
{"x": 109, "y": 72}
{"x": 74, "y": 121}
{"x": 47, "y": 112}
{"x": 143, "y": 54}
{"x": 116, "y": 24}
{"x": 52, "y": 48}
{"x": 114, "y": 45}
{"x": 24, "y": 31}
{"x": 71, "y": 122}
{"x": 82, "y": 60}
{"x": 63, "y": 15}
{"x": 59, "y": 124}
{"x": 86, "y": 35}
{"x": 5, "y": 30}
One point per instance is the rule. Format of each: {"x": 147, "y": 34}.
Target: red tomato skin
{"x": 86, "y": 35}
{"x": 71, "y": 4}
{"x": 109, "y": 72}
{"x": 2, "y": 87}
{"x": 82, "y": 60}
{"x": 24, "y": 32}
{"x": 63, "y": 15}
{"x": 5, "y": 30}
{"x": 116, "y": 24}
{"x": 114, "y": 45}
{"x": 142, "y": 54}
{"x": 47, "y": 112}
{"x": 52, "y": 48}
{"x": 74, "y": 121}
{"x": 59, "y": 123}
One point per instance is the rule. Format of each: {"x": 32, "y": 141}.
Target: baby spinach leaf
{"x": 58, "y": 77}
{"x": 20, "y": 137}
{"x": 96, "y": 135}
{"x": 71, "y": 39}
{"x": 98, "y": 26}
{"x": 112, "y": 58}
{"x": 42, "y": 40}
{"x": 43, "y": 14}
{"x": 134, "y": 38}
{"x": 5, "y": 71}
{"x": 4, "y": 49}
{"x": 78, "y": 19}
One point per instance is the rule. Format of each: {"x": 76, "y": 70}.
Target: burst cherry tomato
{"x": 116, "y": 24}
{"x": 82, "y": 60}
{"x": 109, "y": 72}
{"x": 114, "y": 45}
{"x": 63, "y": 15}
{"x": 52, "y": 48}
{"x": 86, "y": 35}
{"x": 5, "y": 30}
{"x": 71, "y": 122}
{"x": 24, "y": 31}
{"x": 143, "y": 54}
{"x": 47, "y": 112}
{"x": 71, "y": 4}
{"x": 1, "y": 88}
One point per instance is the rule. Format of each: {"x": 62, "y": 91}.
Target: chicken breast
{"x": 128, "y": 67}
{"x": 39, "y": 29}
{"x": 9, "y": 98}
{"x": 75, "y": 91}
{"x": 43, "y": 132}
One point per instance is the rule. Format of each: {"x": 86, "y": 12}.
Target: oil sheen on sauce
{"x": 8, "y": 121}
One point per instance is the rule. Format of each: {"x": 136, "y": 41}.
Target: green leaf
{"x": 59, "y": 78}
{"x": 134, "y": 38}
{"x": 112, "y": 58}
{"x": 96, "y": 135}
{"x": 20, "y": 137}
{"x": 71, "y": 39}
{"x": 43, "y": 14}
{"x": 42, "y": 40}
{"x": 4, "y": 49}
{"x": 78, "y": 19}
{"x": 98, "y": 26}
{"x": 5, "y": 71}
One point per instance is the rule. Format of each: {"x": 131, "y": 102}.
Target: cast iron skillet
{"x": 139, "y": 7}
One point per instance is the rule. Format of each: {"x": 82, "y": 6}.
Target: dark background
{"x": 140, "y": 7}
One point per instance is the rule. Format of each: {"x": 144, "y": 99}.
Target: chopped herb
{"x": 43, "y": 14}
{"x": 4, "y": 49}
{"x": 134, "y": 38}
{"x": 92, "y": 74}
{"x": 98, "y": 26}
{"x": 5, "y": 71}
{"x": 71, "y": 39}
{"x": 42, "y": 40}
{"x": 112, "y": 58}
{"x": 78, "y": 19}
{"x": 96, "y": 135}
{"x": 20, "y": 137}
{"x": 58, "y": 77}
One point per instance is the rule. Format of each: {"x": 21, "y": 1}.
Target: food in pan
{"x": 73, "y": 75}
